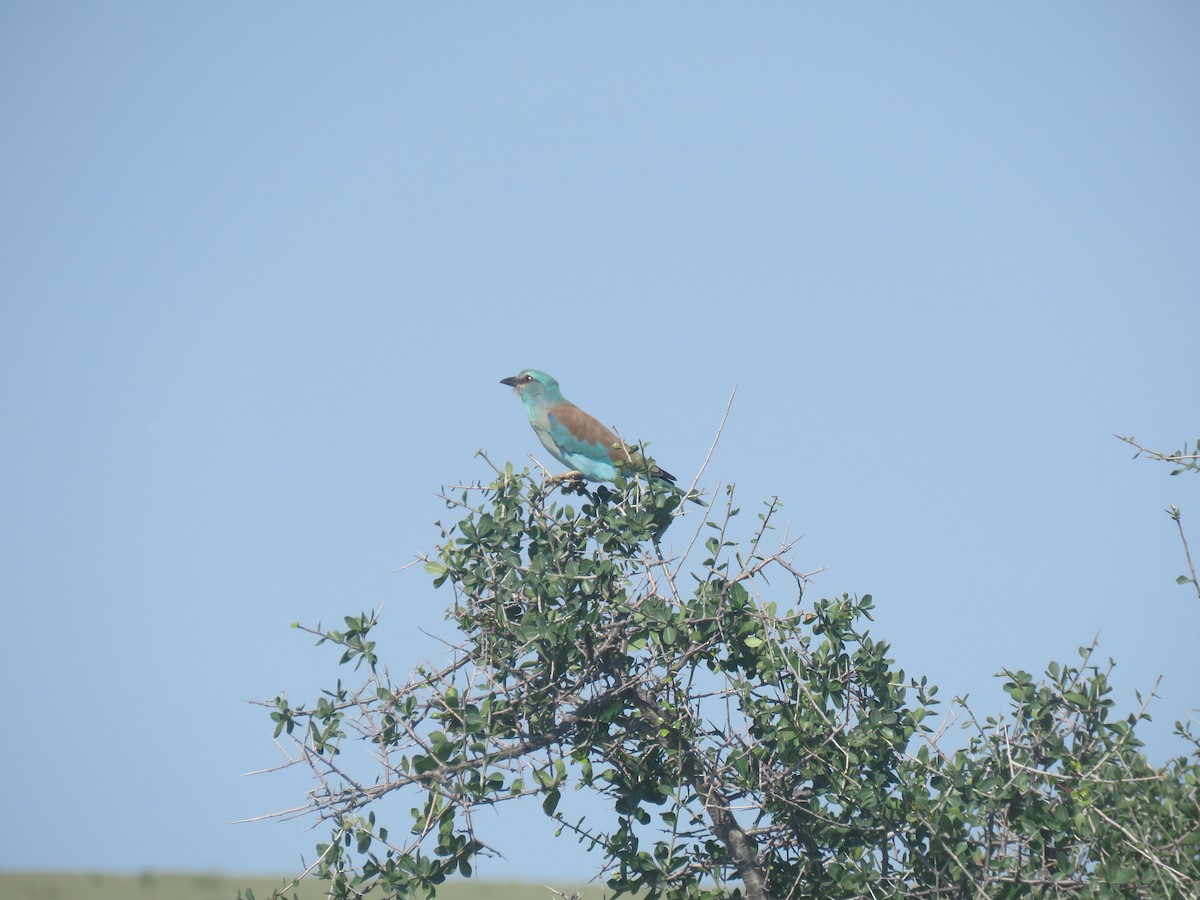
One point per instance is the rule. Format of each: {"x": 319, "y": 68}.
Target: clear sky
{"x": 262, "y": 266}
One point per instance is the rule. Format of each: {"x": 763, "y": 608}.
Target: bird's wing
{"x": 577, "y": 432}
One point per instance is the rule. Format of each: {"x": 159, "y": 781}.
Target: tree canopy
{"x": 749, "y": 740}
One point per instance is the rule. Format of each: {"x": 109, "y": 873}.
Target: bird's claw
{"x": 570, "y": 479}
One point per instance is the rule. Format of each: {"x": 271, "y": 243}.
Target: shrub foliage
{"x": 748, "y": 742}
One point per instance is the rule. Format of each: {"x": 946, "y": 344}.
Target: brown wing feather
{"x": 589, "y": 430}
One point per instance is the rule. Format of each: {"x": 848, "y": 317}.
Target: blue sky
{"x": 263, "y": 265}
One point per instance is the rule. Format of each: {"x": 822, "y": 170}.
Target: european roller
{"x": 576, "y": 439}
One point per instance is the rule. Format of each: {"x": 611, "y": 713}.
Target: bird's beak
{"x": 511, "y": 382}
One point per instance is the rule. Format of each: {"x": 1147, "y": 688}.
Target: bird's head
{"x": 533, "y": 386}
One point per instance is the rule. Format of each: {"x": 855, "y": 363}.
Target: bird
{"x": 574, "y": 438}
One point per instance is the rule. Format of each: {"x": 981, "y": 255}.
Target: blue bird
{"x": 576, "y": 439}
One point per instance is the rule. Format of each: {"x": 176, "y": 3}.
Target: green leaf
{"x": 1122, "y": 875}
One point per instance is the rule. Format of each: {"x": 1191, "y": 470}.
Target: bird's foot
{"x": 570, "y": 481}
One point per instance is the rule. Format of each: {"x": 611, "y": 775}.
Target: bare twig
{"x": 716, "y": 439}
{"x": 1176, "y": 517}
{"x": 1187, "y": 460}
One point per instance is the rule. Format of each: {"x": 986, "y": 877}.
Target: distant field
{"x": 169, "y": 886}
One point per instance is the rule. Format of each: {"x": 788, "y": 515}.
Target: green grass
{"x": 188, "y": 886}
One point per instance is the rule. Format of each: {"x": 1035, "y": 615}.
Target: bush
{"x": 749, "y": 744}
